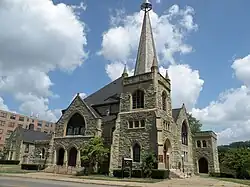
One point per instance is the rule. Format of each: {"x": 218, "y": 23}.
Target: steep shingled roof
{"x": 29, "y": 135}
{"x": 108, "y": 93}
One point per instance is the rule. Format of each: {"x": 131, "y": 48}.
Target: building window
{"x": 26, "y": 150}
{"x": 3, "y": 114}
{"x": 47, "y": 124}
{"x": 13, "y": 116}
{"x": 31, "y": 126}
{"x": 136, "y": 124}
{"x": 2, "y": 123}
{"x": 184, "y": 133}
{"x": 142, "y": 123}
{"x": 164, "y": 102}
{"x": 39, "y": 124}
{"x": 21, "y": 118}
{"x": 76, "y": 125}
{"x": 1, "y": 131}
{"x": 43, "y": 153}
{"x": 11, "y": 124}
{"x": 131, "y": 124}
{"x": 136, "y": 153}
{"x": 198, "y": 143}
{"x": 204, "y": 143}
{"x": 138, "y": 99}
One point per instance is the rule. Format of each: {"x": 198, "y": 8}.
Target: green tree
{"x": 238, "y": 159}
{"x": 148, "y": 163}
{"x": 94, "y": 153}
{"x": 194, "y": 124}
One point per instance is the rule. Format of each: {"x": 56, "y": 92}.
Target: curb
{"x": 81, "y": 182}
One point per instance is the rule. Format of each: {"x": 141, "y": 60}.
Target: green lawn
{"x": 12, "y": 169}
{"x": 107, "y": 178}
{"x": 239, "y": 181}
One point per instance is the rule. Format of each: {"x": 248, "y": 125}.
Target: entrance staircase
{"x": 176, "y": 173}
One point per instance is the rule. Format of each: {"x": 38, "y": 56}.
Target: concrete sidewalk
{"x": 195, "y": 181}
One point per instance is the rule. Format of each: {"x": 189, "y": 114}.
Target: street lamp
{"x": 168, "y": 161}
{"x": 182, "y": 158}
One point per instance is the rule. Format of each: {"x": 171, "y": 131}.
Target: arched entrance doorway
{"x": 167, "y": 153}
{"x": 60, "y": 157}
{"x": 72, "y": 156}
{"x": 203, "y": 165}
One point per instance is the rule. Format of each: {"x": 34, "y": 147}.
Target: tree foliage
{"x": 237, "y": 159}
{"x": 194, "y": 124}
{"x": 148, "y": 163}
{"x": 94, "y": 152}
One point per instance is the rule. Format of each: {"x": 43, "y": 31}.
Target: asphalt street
{"x": 25, "y": 182}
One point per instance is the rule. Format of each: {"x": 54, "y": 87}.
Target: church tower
{"x": 145, "y": 105}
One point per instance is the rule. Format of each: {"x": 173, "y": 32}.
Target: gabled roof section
{"x": 175, "y": 113}
{"x": 92, "y": 111}
{"x": 108, "y": 93}
{"x": 31, "y": 136}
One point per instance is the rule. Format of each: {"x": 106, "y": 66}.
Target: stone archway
{"x": 60, "y": 157}
{"x": 167, "y": 153}
{"x": 203, "y": 165}
{"x": 72, "y": 157}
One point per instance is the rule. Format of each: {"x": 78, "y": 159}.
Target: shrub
{"x": 160, "y": 174}
{"x": 31, "y": 166}
{"x": 10, "y": 162}
{"x": 137, "y": 173}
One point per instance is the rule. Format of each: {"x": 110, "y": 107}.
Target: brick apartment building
{"x": 9, "y": 121}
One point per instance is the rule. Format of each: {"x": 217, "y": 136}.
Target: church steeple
{"x": 146, "y": 51}
{"x": 125, "y": 72}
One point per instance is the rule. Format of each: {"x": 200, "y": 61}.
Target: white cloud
{"x": 229, "y": 114}
{"x": 120, "y": 42}
{"x": 43, "y": 37}
{"x": 2, "y": 105}
{"x": 241, "y": 67}
{"x": 186, "y": 85}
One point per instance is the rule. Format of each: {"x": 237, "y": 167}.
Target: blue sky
{"x": 219, "y": 38}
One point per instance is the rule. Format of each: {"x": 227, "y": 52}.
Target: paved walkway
{"x": 193, "y": 181}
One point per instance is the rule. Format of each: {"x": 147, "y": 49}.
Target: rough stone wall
{"x": 131, "y": 84}
{"x": 180, "y": 148}
{"x": 77, "y": 105}
{"x": 146, "y": 137}
{"x": 210, "y": 153}
{"x": 39, "y": 145}
{"x": 30, "y": 156}
{"x": 216, "y": 156}
{"x": 124, "y": 138}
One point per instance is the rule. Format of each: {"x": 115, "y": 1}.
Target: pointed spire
{"x": 166, "y": 76}
{"x": 154, "y": 65}
{"x": 146, "y": 50}
{"x": 125, "y": 73}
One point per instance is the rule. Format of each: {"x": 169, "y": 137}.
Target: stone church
{"x": 134, "y": 115}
